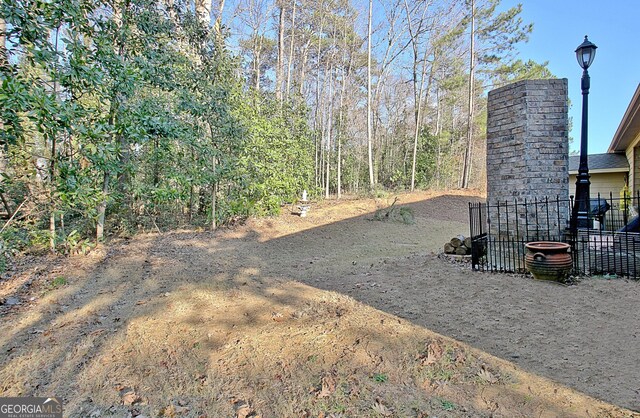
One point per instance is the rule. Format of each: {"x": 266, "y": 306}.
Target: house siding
{"x": 633, "y": 156}
{"x": 603, "y": 183}
{"x": 635, "y": 168}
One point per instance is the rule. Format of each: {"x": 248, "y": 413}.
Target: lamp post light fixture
{"x": 585, "y": 53}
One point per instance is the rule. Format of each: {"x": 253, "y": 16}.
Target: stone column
{"x": 528, "y": 156}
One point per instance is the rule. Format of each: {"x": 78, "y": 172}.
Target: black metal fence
{"x": 611, "y": 244}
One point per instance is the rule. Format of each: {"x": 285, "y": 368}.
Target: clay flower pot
{"x": 548, "y": 260}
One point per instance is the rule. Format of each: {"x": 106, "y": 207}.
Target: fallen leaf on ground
{"x": 328, "y": 386}
{"x": 243, "y": 411}
{"x": 129, "y": 396}
{"x": 381, "y": 409}
{"x": 434, "y": 353}
{"x": 169, "y": 412}
{"x": 242, "y": 408}
{"x": 487, "y": 376}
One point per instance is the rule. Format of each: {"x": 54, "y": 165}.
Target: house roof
{"x": 629, "y": 127}
{"x": 601, "y": 163}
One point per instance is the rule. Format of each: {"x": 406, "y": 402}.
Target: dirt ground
{"x": 334, "y": 314}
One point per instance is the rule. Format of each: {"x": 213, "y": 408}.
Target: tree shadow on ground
{"x": 189, "y": 323}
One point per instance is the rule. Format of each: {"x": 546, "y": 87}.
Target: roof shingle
{"x": 613, "y": 162}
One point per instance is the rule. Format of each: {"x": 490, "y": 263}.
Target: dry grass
{"x": 196, "y": 325}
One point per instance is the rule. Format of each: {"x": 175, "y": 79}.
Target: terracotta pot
{"x": 548, "y": 260}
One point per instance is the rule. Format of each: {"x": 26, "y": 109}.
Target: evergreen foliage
{"x": 126, "y": 115}
{"x": 116, "y": 110}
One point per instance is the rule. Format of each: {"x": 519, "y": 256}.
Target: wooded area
{"x": 121, "y": 115}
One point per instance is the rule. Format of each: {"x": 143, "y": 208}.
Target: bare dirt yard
{"x": 332, "y": 315}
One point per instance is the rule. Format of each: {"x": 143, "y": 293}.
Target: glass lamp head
{"x": 585, "y": 53}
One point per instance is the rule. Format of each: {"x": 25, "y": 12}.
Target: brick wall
{"x": 527, "y": 150}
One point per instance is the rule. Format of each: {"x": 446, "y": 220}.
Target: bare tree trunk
{"x": 341, "y": 126}
{"x": 315, "y": 153}
{"x": 418, "y": 86}
{"x": 191, "y": 201}
{"x": 322, "y": 154}
{"x": 438, "y": 129}
{"x": 466, "y": 169}
{"x": 116, "y": 101}
{"x": 319, "y": 134}
{"x": 102, "y": 208}
{"x": 54, "y": 153}
{"x": 214, "y": 184}
{"x": 203, "y": 11}
{"x": 303, "y": 67}
{"x": 324, "y": 125}
{"x": 3, "y": 44}
{"x": 418, "y": 118}
{"x": 280, "y": 63}
{"x": 256, "y": 61}
{"x": 171, "y": 10}
{"x": 214, "y": 192}
{"x": 291, "y": 43}
{"x": 339, "y": 156}
{"x": 217, "y": 27}
{"x": 317, "y": 110}
{"x": 4, "y": 64}
{"x": 369, "y": 126}
{"x": 329, "y": 128}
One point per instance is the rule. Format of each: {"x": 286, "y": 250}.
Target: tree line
{"x": 121, "y": 115}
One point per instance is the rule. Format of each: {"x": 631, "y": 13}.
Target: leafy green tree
{"x": 521, "y": 70}
{"x": 276, "y": 164}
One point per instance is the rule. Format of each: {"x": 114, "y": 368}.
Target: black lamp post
{"x": 585, "y": 53}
